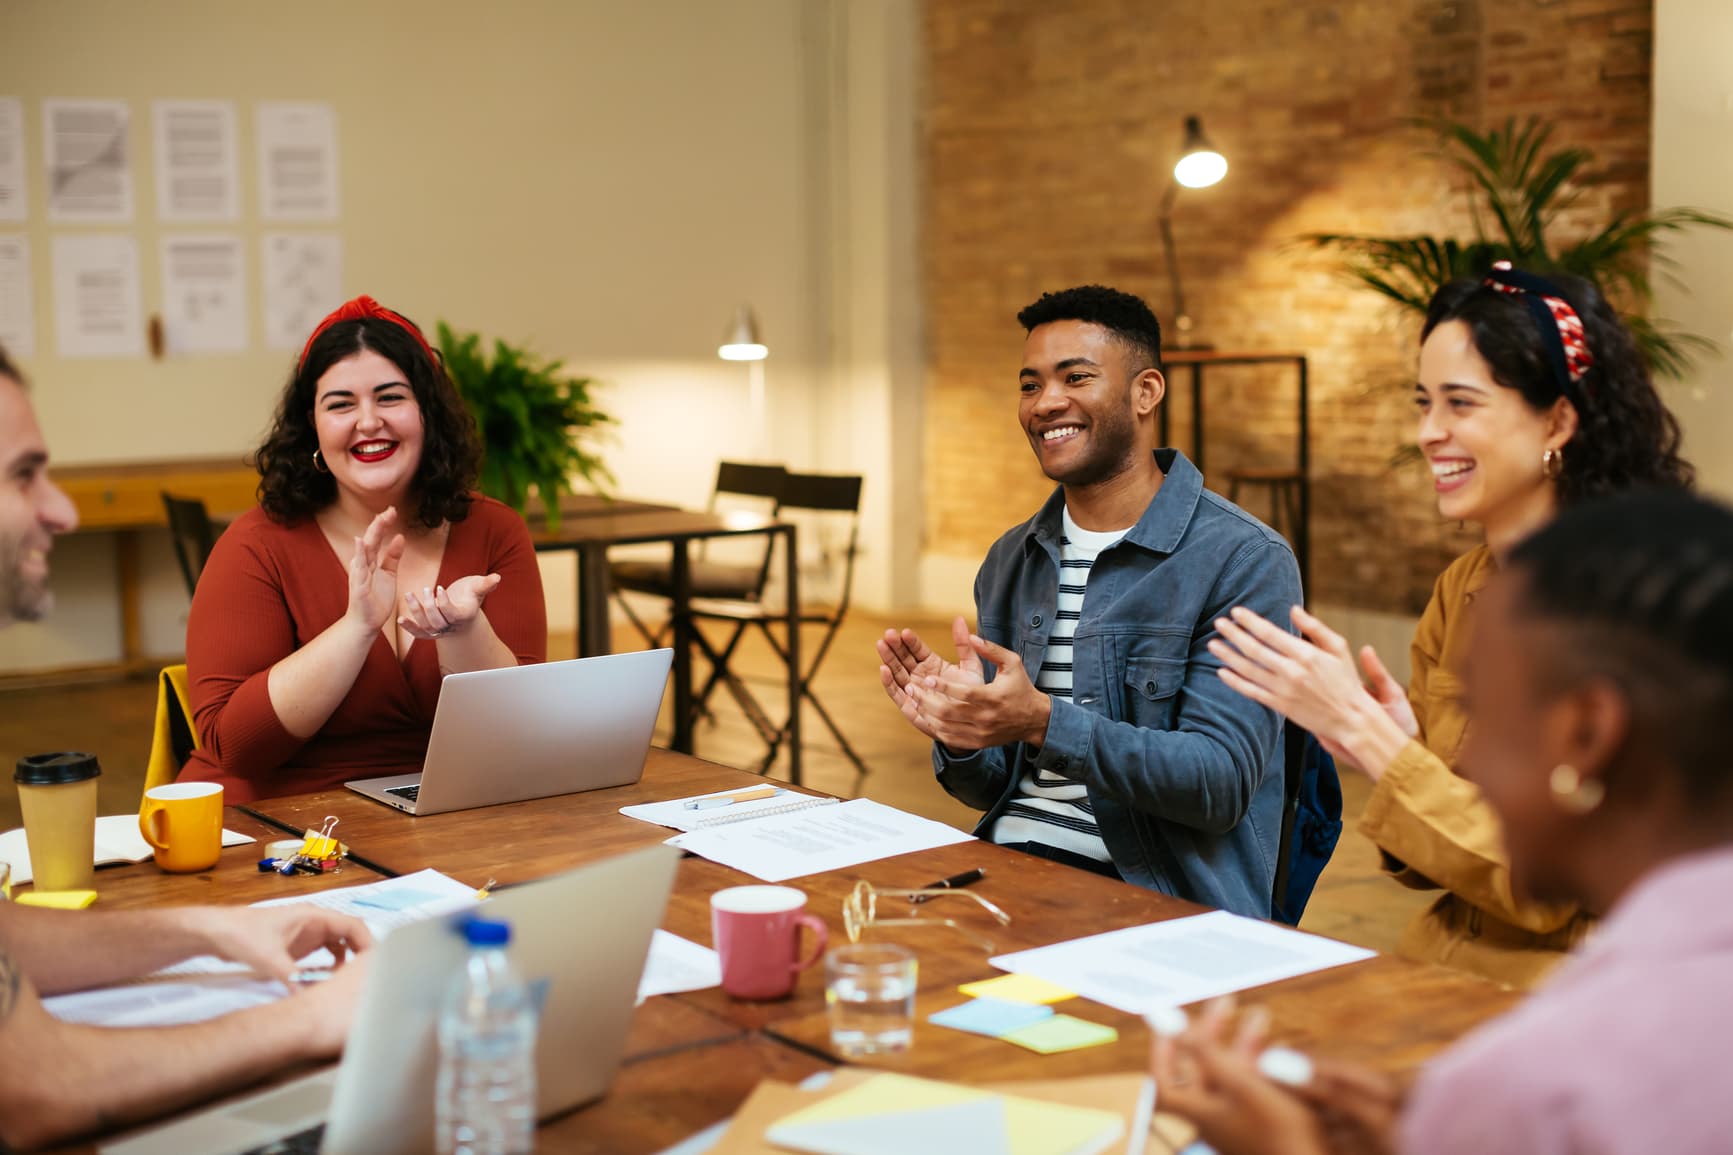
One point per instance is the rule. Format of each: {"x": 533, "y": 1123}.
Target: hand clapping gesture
{"x": 373, "y": 572}
{"x": 438, "y": 611}
{"x": 1312, "y": 681}
{"x": 952, "y": 702}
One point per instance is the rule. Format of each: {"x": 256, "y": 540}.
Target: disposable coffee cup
{"x": 57, "y": 793}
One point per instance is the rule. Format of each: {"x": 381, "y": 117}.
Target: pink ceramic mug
{"x": 757, "y": 933}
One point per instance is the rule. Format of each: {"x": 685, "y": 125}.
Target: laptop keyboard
{"x": 300, "y": 1143}
{"x": 407, "y": 793}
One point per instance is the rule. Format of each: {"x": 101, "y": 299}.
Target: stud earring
{"x": 319, "y": 463}
{"x": 1575, "y": 792}
{"x": 1552, "y": 463}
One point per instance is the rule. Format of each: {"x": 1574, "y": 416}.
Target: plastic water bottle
{"x": 486, "y": 1099}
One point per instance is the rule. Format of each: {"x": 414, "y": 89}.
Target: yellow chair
{"x": 173, "y": 737}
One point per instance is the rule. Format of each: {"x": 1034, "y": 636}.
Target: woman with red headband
{"x": 326, "y": 618}
{"x": 1531, "y": 396}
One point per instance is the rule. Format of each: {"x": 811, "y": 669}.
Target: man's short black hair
{"x": 1122, "y": 314}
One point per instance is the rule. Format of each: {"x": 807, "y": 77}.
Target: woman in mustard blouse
{"x": 1531, "y": 395}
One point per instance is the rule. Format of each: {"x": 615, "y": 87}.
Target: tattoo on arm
{"x": 10, "y": 980}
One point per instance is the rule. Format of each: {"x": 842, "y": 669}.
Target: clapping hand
{"x": 373, "y": 572}
{"x": 438, "y": 611}
{"x": 952, "y": 702}
{"x": 1311, "y": 679}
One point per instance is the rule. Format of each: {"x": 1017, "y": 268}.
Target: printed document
{"x": 297, "y": 161}
{"x": 97, "y": 311}
{"x": 1182, "y": 960}
{"x": 89, "y": 152}
{"x": 204, "y": 300}
{"x": 203, "y": 988}
{"x": 196, "y": 172}
{"x": 811, "y": 841}
{"x": 17, "y": 295}
{"x": 12, "y": 185}
{"x": 678, "y": 964}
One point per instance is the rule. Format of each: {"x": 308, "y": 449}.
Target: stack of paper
{"x": 900, "y": 1115}
{"x": 811, "y": 841}
{"x": 1182, "y": 960}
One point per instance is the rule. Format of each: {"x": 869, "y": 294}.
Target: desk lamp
{"x": 742, "y": 343}
{"x": 1199, "y": 166}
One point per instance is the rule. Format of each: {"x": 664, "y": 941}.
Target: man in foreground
{"x": 1087, "y": 717}
{"x": 58, "y": 1080}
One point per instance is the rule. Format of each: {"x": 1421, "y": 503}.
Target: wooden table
{"x": 591, "y": 537}
{"x": 694, "y": 1057}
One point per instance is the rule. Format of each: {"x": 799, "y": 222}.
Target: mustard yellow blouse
{"x": 1438, "y": 833}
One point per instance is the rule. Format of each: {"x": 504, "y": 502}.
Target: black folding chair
{"x": 821, "y": 494}
{"x": 738, "y": 580}
{"x": 189, "y": 525}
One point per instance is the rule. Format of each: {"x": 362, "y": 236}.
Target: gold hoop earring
{"x": 1575, "y": 792}
{"x": 319, "y": 463}
{"x": 1552, "y": 463}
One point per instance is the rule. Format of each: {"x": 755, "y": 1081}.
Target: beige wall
{"x": 603, "y": 180}
{"x": 1693, "y": 165}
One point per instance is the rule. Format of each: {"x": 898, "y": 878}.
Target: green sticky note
{"x": 1015, "y": 988}
{"x": 1061, "y": 1033}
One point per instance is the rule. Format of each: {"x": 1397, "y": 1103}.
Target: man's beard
{"x": 21, "y": 600}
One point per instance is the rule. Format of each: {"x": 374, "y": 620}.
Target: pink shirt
{"x": 1626, "y": 1049}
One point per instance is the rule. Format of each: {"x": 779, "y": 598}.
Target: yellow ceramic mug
{"x": 184, "y": 822}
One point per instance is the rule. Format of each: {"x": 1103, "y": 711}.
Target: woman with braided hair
{"x": 1532, "y": 397}
{"x": 1599, "y": 681}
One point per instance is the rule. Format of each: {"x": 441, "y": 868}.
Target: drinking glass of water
{"x": 869, "y": 989}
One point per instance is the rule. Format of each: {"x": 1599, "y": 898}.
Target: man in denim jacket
{"x": 1087, "y": 717}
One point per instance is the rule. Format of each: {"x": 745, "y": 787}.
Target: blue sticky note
{"x": 990, "y": 1017}
{"x": 394, "y": 899}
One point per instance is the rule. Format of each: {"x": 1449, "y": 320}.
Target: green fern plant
{"x": 538, "y": 424}
{"x": 1517, "y": 187}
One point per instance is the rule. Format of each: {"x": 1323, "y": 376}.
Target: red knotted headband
{"x": 360, "y": 309}
{"x": 1567, "y": 344}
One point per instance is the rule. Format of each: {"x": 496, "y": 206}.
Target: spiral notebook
{"x": 703, "y": 811}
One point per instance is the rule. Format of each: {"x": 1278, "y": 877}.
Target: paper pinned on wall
{"x": 196, "y": 170}
{"x": 17, "y": 297}
{"x": 303, "y": 275}
{"x": 13, "y": 202}
{"x": 96, "y": 297}
{"x": 297, "y": 161}
{"x": 89, "y": 149}
{"x": 204, "y": 301}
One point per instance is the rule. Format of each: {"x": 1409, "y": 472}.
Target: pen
{"x": 730, "y": 799}
{"x": 951, "y": 883}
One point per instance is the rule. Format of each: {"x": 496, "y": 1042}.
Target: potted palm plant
{"x": 539, "y": 424}
{"x": 1517, "y": 187}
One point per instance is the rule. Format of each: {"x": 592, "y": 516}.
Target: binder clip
{"x": 320, "y": 852}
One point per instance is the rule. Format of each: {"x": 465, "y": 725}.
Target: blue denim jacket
{"x": 1184, "y": 774}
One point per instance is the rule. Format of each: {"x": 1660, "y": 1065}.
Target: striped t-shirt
{"x": 1047, "y": 808}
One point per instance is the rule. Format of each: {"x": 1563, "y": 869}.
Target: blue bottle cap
{"x": 486, "y": 932}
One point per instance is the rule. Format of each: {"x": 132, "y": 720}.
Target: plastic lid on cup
{"x": 55, "y": 769}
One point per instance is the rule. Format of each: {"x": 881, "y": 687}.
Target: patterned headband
{"x": 1567, "y": 346}
{"x": 360, "y": 309}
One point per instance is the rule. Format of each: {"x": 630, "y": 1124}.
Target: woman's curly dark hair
{"x": 290, "y": 488}
{"x": 1626, "y": 437}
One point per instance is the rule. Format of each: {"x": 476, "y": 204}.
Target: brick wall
{"x": 1049, "y": 132}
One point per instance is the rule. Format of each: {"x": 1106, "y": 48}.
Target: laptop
{"x": 582, "y": 937}
{"x": 533, "y": 731}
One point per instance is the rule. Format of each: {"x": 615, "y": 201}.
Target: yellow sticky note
{"x": 1018, "y": 989}
{"x": 58, "y": 899}
{"x": 1061, "y": 1033}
